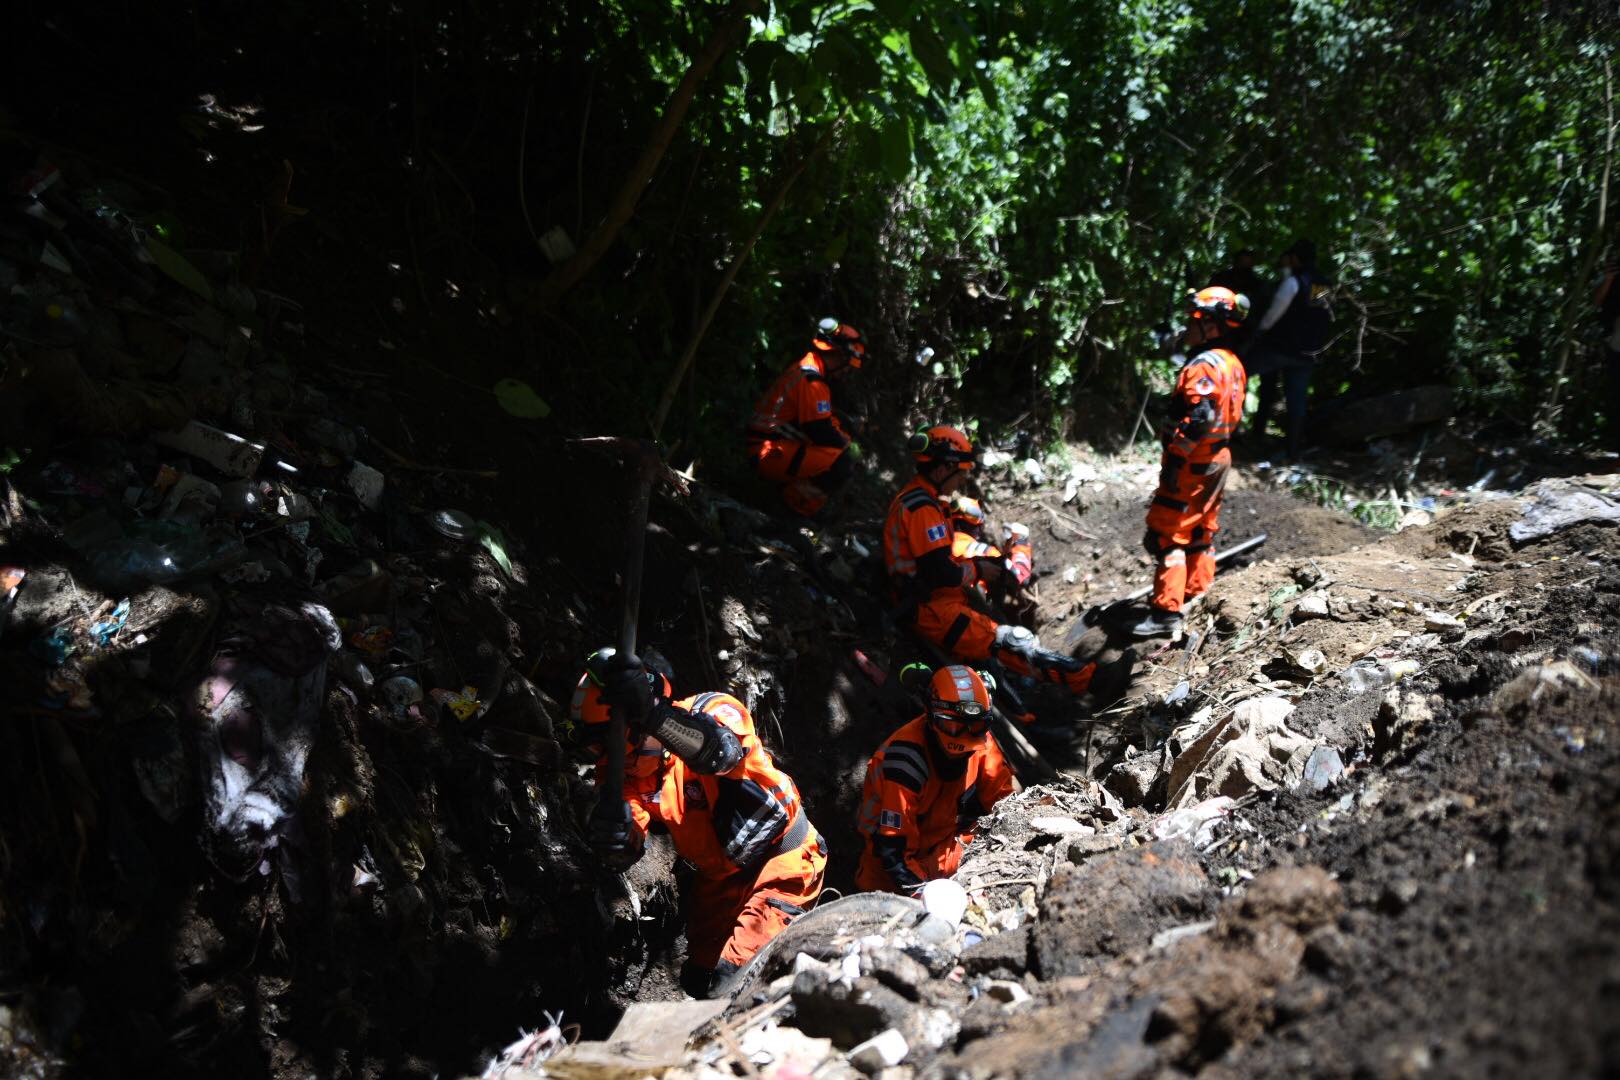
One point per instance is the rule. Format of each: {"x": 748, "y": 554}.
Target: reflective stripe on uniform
{"x": 959, "y": 626}
{"x": 905, "y": 764}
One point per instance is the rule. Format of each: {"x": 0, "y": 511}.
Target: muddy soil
{"x": 1096, "y": 538}
{"x": 1464, "y": 917}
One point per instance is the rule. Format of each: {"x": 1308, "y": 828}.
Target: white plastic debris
{"x": 1166, "y": 938}
{"x": 1006, "y": 991}
{"x": 1060, "y": 826}
{"x": 1311, "y": 606}
{"x": 531, "y": 1048}
{"x": 945, "y": 899}
{"x": 230, "y": 454}
{"x": 881, "y": 1051}
{"x": 1196, "y": 823}
{"x": 1439, "y": 622}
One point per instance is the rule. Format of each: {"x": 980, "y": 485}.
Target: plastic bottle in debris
{"x": 1365, "y": 675}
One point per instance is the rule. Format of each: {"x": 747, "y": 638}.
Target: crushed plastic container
{"x": 1365, "y": 675}
{"x": 230, "y": 454}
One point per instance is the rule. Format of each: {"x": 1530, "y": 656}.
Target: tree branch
{"x": 732, "y": 26}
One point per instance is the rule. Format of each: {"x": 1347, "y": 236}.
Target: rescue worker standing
{"x": 697, "y": 768}
{"x": 928, "y": 785}
{"x": 796, "y": 438}
{"x": 1205, "y": 410}
{"x": 931, "y": 585}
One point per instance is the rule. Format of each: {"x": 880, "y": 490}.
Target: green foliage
{"x": 1026, "y": 187}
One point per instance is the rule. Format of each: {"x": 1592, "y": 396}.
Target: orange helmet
{"x": 834, "y": 336}
{"x": 966, "y": 513}
{"x": 941, "y": 445}
{"x": 1220, "y": 304}
{"x": 959, "y": 709}
{"x": 593, "y": 715}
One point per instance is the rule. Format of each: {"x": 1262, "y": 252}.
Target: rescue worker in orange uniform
{"x": 1205, "y": 411}
{"x": 928, "y": 785}
{"x": 931, "y": 585}
{"x": 696, "y": 768}
{"x": 999, "y": 573}
{"x": 968, "y": 544}
{"x": 796, "y": 437}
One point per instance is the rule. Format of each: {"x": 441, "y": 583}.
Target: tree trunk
{"x": 690, "y": 353}
{"x": 732, "y": 26}
{"x": 1577, "y": 295}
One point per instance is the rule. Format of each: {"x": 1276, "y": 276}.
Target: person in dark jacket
{"x": 1280, "y": 353}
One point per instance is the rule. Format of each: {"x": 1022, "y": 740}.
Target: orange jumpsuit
{"x": 966, "y": 547}
{"x": 918, "y": 553}
{"x": 919, "y": 807}
{"x": 759, "y": 860}
{"x": 796, "y": 438}
{"x": 1185, "y": 513}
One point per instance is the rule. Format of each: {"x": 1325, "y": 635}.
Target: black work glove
{"x": 1054, "y": 661}
{"x": 613, "y": 835}
{"x": 627, "y": 689}
{"x": 1150, "y": 543}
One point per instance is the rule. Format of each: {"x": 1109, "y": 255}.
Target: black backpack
{"x": 1307, "y": 326}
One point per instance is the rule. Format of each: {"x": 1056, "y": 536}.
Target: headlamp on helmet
{"x": 967, "y": 511}
{"x": 1219, "y": 305}
{"x": 959, "y": 708}
{"x": 834, "y": 336}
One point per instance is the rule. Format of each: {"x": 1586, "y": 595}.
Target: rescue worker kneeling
{"x": 1205, "y": 411}
{"x": 932, "y": 586}
{"x": 697, "y": 768}
{"x": 928, "y": 785}
{"x": 796, "y": 437}
{"x": 999, "y": 573}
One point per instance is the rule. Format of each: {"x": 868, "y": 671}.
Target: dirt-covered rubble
{"x": 285, "y": 784}
{"x": 1393, "y": 859}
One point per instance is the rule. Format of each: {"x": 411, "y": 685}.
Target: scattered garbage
{"x": 463, "y": 704}
{"x": 885, "y": 1049}
{"x": 102, "y": 631}
{"x": 1309, "y": 662}
{"x": 227, "y": 453}
{"x": 1372, "y": 674}
{"x": 1322, "y": 769}
{"x": 946, "y": 900}
{"x": 256, "y": 712}
{"x": 1194, "y": 823}
{"x": 367, "y": 484}
{"x": 1311, "y": 606}
{"x": 1554, "y": 505}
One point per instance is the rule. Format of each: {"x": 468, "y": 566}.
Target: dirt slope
{"x": 1272, "y": 874}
